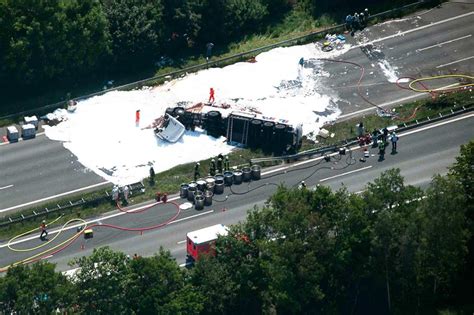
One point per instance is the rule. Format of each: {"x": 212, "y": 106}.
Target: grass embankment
{"x": 169, "y": 181}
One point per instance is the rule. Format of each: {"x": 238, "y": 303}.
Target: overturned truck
{"x": 247, "y": 129}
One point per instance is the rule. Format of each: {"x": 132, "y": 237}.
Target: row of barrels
{"x": 202, "y": 191}
{"x": 269, "y": 136}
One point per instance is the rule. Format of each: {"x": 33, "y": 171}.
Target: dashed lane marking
{"x": 414, "y": 29}
{"x": 446, "y": 42}
{"x": 454, "y": 62}
{"x": 346, "y": 173}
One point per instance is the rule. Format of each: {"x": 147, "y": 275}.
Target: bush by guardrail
{"x": 219, "y": 62}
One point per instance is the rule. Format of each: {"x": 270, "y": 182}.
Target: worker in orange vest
{"x": 211, "y": 95}
{"x": 44, "y": 232}
{"x": 137, "y": 117}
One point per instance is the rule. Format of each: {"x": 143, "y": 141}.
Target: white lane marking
{"x": 275, "y": 170}
{"x": 181, "y": 242}
{"x": 286, "y": 167}
{"x": 452, "y": 63}
{"x": 395, "y": 101}
{"x": 5, "y": 187}
{"x": 414, "y": 30}
{"x": 21, "y": 139}
{"x": 446, "y": 42}
{"x": 436, "y": 125}
{"x": 192, "y": 216}
{"x": 55, "y": 196}
{"x": 346, "y": 173}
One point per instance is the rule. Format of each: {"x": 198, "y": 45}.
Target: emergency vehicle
{"x": 200, "y": 242}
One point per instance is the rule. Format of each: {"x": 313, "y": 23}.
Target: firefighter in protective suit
{"x": 212, "y": 167}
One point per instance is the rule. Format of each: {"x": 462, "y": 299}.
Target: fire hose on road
{"x": 68, "y": 242}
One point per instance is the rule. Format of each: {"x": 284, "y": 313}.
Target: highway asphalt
{"x": 426, "y": 44}
{"x": 423, "y": 152}
{"x": 37, "y": 169}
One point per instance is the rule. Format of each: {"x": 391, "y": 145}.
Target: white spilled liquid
{"x": 103, "y": 135}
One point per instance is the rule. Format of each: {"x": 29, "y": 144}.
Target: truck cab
{"x": 200, "y": 242}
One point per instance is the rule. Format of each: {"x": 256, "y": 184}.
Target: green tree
{"x": 48, "y": 40}
{"x": 395, "y": 235}
{"x": 244, "y": 16}
{"x": 156, "y": 285}
{"x": 100, "y": 283}
{"x": 444, "y": 234}
{"x": 305, "y": 251}
{"x": 136, "y": 29}
{"x": 214, "y": 281}
{"x": 463, "y": 171}
{"x": 37, "y": 288}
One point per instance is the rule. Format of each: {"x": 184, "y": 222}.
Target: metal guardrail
{"x": 227, "y": 60}
{"x": 135, "y": 188}
{"x": 352, "y": 141}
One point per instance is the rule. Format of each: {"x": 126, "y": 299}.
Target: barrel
{"x": 219, "y": 179}
{"x": 254, "y": 137}
{"x": 256, "y": 172}
{"x": 219, "y": 188}
{"x": 201, "y": 184}
{"x": 210, "y": 183}
{"x": 192, "y": 187}
{"x": 208, "y": 197}
{"x": 237, "y": 177}
{"x": 279, "y": 139}
{"x": 246, "y": 174}
{"x": 199, "y": 202}
{"x": 267, "y": 136}
{"x": 228, "y": 178}
{"x": 198, "y": 193}
{"x": 183, "y": 191}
